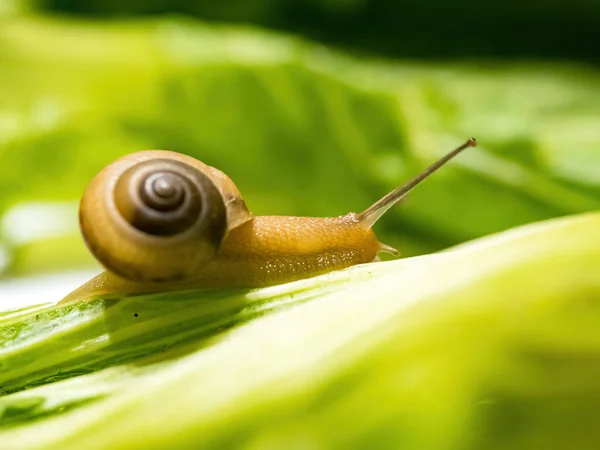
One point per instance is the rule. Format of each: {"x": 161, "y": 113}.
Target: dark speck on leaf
{"x": 135, "y": 314}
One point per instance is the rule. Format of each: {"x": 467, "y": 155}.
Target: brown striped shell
{"x": 158, "y": 215}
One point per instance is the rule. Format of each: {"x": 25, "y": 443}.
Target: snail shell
{"x": 157, "y": 215}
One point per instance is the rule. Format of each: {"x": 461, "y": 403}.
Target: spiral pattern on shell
{"x": 160, "y": 197}
{"x": 154, "y": 216}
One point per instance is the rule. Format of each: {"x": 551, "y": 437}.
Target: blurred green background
{"x": 312, "y": 108}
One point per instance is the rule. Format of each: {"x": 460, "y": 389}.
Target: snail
{"x": 159, "y": 220}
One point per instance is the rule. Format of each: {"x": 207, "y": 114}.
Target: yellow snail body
{"x": 159, "y": 221}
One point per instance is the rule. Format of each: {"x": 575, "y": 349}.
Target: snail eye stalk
{"x": 374, "y": 212}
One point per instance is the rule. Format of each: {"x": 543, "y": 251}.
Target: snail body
{"x": 160, "y": 221}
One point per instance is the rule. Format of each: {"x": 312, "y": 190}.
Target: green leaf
{"x": 492, "y": 344}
